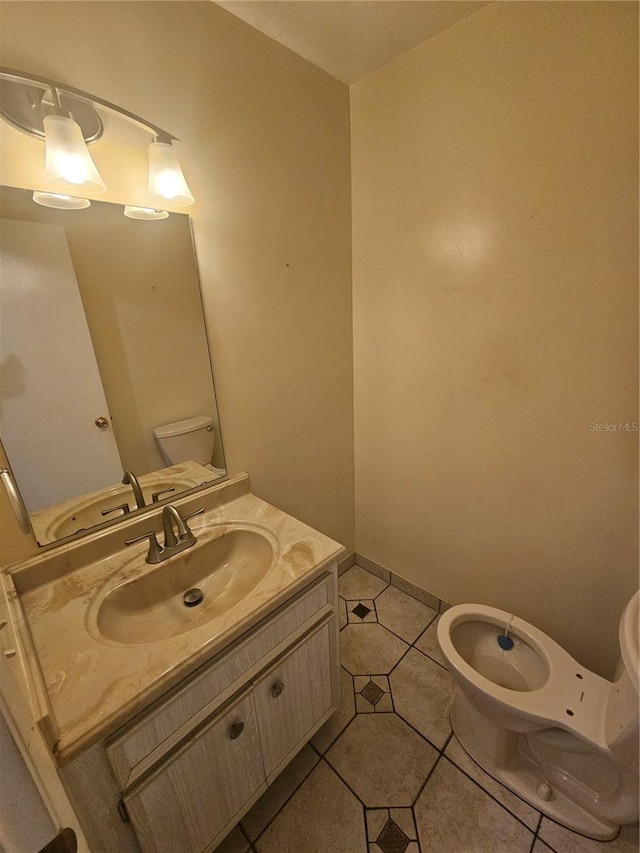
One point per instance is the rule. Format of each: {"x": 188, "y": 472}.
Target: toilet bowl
{"x": 560, "y": 736}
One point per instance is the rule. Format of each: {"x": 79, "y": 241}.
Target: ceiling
{"x": 350, "y": 38}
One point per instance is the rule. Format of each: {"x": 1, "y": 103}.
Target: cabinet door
{"x": 295, "y": 694}
{"x": 194, "y": 794}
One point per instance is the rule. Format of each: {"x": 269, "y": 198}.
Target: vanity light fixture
{"x": 133, "y": 212}
{"x": 59, "y": 201}
{"x": 68, "y": 119}
{"x": 68, "y": 162}
{"x": 166, "y": 181}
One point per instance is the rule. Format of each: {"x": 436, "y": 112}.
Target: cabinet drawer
{"x": 194, "y": 794}
{"x": 140, "y": 744}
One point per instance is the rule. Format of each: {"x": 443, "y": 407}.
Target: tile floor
{"x": 385, "y": 774}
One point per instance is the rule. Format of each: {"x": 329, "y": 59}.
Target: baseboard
{"x": 346, "y": 563}
{"x": 402, "y": 584}
{"x": 373, "y": 567}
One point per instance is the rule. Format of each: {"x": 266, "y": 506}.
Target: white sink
{"x": 150, "y": 607}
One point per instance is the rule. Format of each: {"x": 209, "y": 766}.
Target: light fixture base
{"x": 24, "y": 106}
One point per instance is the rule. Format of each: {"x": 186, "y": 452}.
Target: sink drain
{"x": 192, "y": 597}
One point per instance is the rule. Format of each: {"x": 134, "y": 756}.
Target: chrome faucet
{"x": 173, "y": 543}
{"x": 130, "y": 479}
{"x": 184, "y": 537}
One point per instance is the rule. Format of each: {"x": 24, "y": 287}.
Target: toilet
{"x": 190, "y": 440}
{"x": 561, "y": 737}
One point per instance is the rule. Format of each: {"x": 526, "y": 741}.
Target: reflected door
{"x": 51, "y": 390}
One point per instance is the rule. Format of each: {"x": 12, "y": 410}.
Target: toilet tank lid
{"x": 180, "y": 427}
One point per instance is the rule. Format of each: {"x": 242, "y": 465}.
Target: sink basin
{"x": 150, "y": 607}
{"x": 80, "y": 514}
{"x": 89, "y": 513}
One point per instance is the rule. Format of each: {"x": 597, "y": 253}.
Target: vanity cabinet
{"x": 184, "y": 771}
{"x": 202, "y": 787}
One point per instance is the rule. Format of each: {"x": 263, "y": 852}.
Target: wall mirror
{"x": 102, "y": 339}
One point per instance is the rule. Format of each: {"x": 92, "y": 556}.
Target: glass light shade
{"x": 68, "y": 162}
{"x": 134, "y": 212}
{"x": 166, "y": 181}
{"x": 61, "y": 202}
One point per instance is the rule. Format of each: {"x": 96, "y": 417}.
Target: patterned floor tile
{"x": 322, "y": 815}
{"x": 370, "y": 648}
{"x": 372, "y": 694}
{"x": 361, "y": 611}
{"x": 454, "y": 814}
{"x": 562, "y": 840}
{"x": 382, "y": 760}
{"x": 356, "y": 584}
{"x": 402, "y": 614}
{"x": 325, "y": 736}
{"x": 392, "y": 839}
{"x": 527, "y": 814}
{"x": 390, "y": 830}
{"x": 428, "y": 644}
{"x": 276, "y": 795}
{"x": 422, "y": 694}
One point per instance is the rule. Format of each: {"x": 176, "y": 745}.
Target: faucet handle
{"x": 191, "y": 514}
{"x": 155, "y": 497}
{"x": 189, "y": 534}
{"x": 124, "y": 507}
{"x": 154, "y": 554}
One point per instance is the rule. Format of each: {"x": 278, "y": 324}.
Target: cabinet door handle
{"x": 277, "y": 689}
{"x": 236, "y": 730}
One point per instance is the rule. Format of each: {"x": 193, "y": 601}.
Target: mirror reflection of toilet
{"x": 190, "y": 440}
{"x": 560, "y": 736}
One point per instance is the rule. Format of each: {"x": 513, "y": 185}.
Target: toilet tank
{"x": 190, "y": 440}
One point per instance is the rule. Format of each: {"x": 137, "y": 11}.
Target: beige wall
{"x": 265, "y": 147}
{"x": 495, "y": 230}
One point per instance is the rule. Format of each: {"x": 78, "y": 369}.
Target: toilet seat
{"x": 572, "y": 697}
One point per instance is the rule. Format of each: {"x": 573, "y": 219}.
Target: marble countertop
{"x": 84, "y": 686}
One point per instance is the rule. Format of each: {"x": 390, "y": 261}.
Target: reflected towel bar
{"x": 15, "y": 499}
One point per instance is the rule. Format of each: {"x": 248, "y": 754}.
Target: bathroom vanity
{"x": 165, "y": 722}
